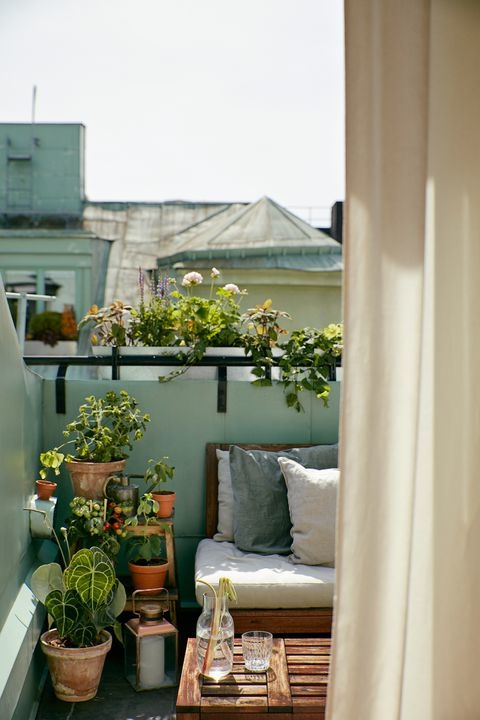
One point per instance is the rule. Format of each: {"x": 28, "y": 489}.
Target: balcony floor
{"x": 116, "y": 699}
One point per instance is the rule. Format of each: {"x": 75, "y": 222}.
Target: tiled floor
{"x": 116, "y": 699}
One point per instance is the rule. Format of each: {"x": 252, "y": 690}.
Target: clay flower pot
{"x": 147, "y": 575}
{"x": 166, "y": 500}
{"x": 89, "y": 478}
{"x": 45, "y": 489}
{"x": 75, "y": 672}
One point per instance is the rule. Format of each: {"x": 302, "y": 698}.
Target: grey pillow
{"x": 261, "y": 516}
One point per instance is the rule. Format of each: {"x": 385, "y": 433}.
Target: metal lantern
{"x": 151, "y": 646}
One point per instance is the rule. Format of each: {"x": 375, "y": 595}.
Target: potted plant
{"x": 261, "y": 339}
{"x": 144, "y": 546}
{"x": 158, "y": 472}
{"x": 51, "y": 328}
{"x": 308, "y": 362}
{"x": 93, "y": 522}
{"x": 82, "y": 599}
{"x": 45, "y": 489}
{"x": 101, "y": 435}
{"x": 167, "y": 317}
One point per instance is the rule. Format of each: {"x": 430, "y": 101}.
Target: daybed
{"x": 280, "y": 588}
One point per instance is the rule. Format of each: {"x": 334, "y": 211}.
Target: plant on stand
{"x": 96, "y": 522}
{"x": 83, "y": 598}
{"x": 147, "y": 566}
{"x": 102, "y": 435}
{"x": 157, "y": 473}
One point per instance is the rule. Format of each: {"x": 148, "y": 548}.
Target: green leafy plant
{"x": 308, "y": 361}
{"x": 83, "y": 597}
{"x": 263, "y": 330}
{"x": 202, "y": 322}
{"x": 145, "y": 546}
{"x": 158, "y": 472}
{"x": 50, "y": 326}
{"x": 103, "y": 431}
{"x": 97, "y": 522}
{"x": 146, "y": 511}
{"x": 46, "y": 326}
{"x": 167, "y": 316}
{"x": 111, "y": 324}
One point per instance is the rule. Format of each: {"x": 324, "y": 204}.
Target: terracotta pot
{"x": 89, "y": 478}
{"x": 45, "y": 489}
{"x": 145, "y": 577}
{"x": 166, "y": 500}
{"x": 75, "y": 672}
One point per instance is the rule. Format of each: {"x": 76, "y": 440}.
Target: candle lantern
{"x": 151, "y": 646}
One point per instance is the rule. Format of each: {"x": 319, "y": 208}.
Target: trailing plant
{"x": 308, "y": 362}
{"x": 104, "y": 430}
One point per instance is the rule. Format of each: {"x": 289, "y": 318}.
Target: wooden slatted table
{"x": 295, "y": 685}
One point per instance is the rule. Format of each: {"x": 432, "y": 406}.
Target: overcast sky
{"x": 186, "y": 99}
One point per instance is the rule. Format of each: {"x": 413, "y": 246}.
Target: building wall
{"x": 141, "y": 233}
{"x": 41, "y": 168}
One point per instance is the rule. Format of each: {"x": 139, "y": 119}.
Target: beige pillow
{"x": 225, "y": 498}
{"x": 312, "y": 500}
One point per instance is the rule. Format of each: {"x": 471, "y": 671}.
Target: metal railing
{"x": 116, "y": 360}
{"x": 21, "y": 323}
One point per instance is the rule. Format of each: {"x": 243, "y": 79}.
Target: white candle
{"x": 152, "y": 662}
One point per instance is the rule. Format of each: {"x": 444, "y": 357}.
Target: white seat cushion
{"x": 263, "y": 581}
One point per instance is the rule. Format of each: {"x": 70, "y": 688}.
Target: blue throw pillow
{"x": 261, "y": 517}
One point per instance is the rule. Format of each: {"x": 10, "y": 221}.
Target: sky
{"x": 201, "y": 100}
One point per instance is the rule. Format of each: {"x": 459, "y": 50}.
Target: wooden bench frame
{"x": 283, "y": 621}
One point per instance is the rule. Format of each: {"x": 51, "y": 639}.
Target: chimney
{"x": 336, "y": 230}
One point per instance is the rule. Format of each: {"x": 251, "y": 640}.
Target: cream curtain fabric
{"x": 407, "y": 626}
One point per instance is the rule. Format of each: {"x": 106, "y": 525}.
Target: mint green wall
{"x": 184, "y": 419}
{"x": 42, "y": 168}
{"x": 20, "y": 441}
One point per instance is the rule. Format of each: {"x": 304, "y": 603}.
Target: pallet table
{"x": 295, "y": 685}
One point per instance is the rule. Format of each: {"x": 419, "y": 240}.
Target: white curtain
{"x": 407, "y": 625}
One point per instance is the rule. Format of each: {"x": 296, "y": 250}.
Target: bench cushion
{"x": 263, "y": 581}
{"x": 312, "y": 499}
{"x": 249, "y": 467}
